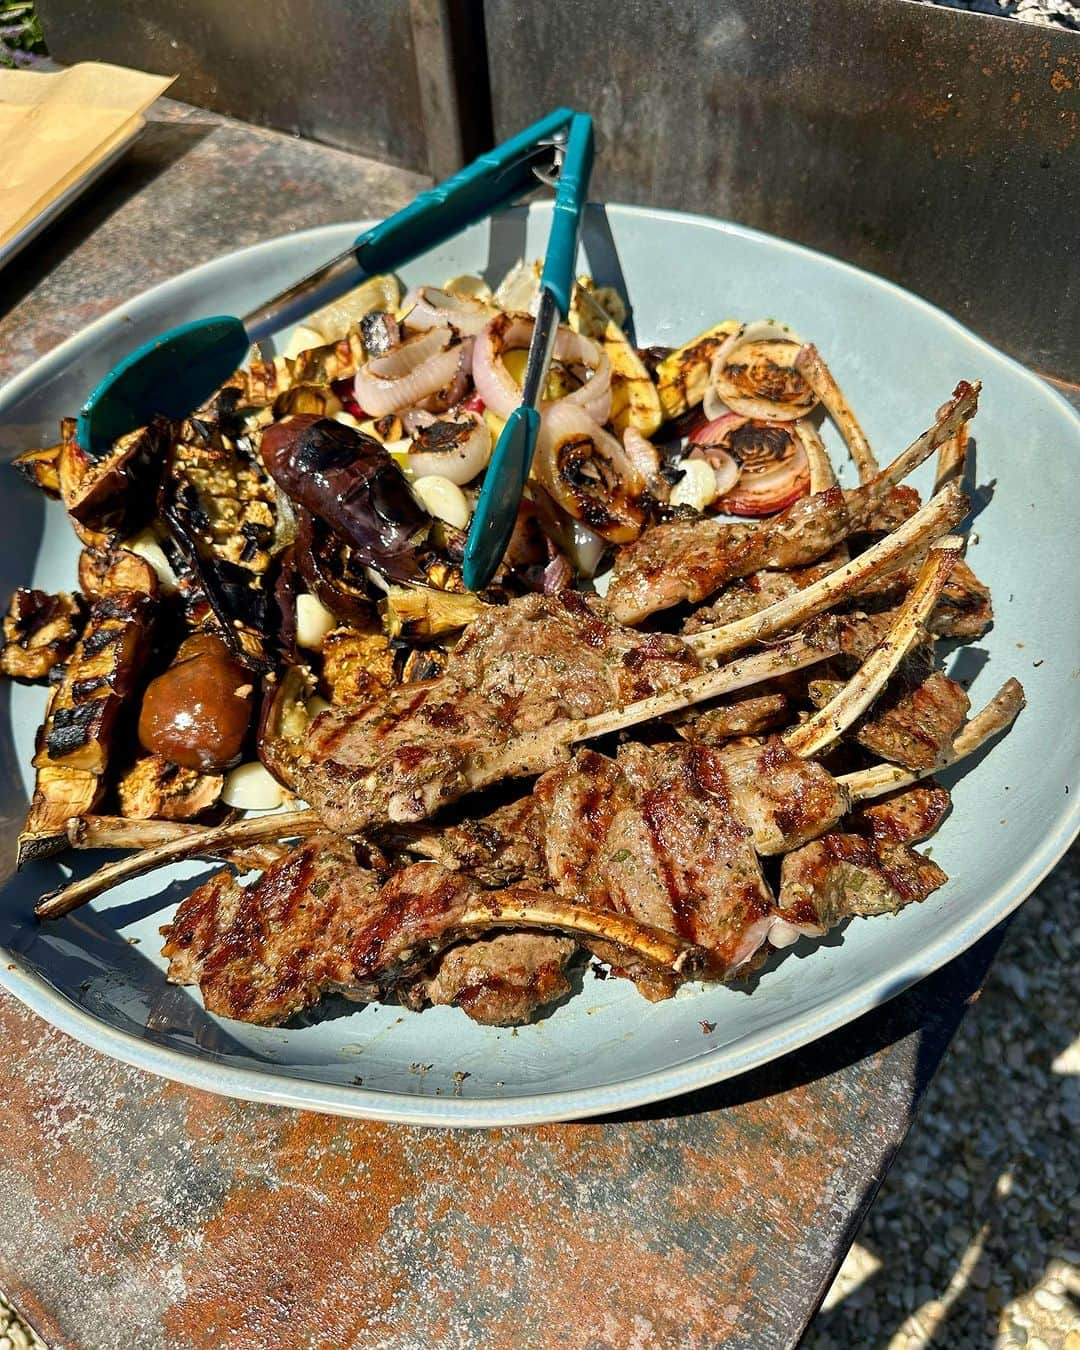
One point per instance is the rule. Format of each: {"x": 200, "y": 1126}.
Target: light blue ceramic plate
{"x": 97, "y": 974}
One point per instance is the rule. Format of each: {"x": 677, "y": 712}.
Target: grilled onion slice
{"x": 501, "y": 392}
{"x": 773, "y": 468}
{"x": 589, "y": 474}
{"x": 753, "y": 374}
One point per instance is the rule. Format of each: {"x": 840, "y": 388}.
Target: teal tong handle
{"x": 180, "y": 369}
{"x": 570, "y": 196}
{"x": 508, "y": 471}
{"x": 492, "y": 180}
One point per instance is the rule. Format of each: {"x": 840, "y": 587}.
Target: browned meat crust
{"x": 906, "y": 817}
{"x": 921, "y": 710}
{"x": 540, "y": 659}
{"x": 841, "y": 875}
{"x": 733, "y": 716}
{"x": 692, "y": 559}
{"x": 317, "y": 922}
{"x": 499, "y": 981}
{"x": 658, "y": 836}
{"x": 751, "y": 594}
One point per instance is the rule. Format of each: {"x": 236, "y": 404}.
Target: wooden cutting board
{"x": 56, "y": 129}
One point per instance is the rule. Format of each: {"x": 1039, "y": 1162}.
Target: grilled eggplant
{"x": 284, "y": 723}
{"x": 42, "y": 468}
{"x": 115, "y": 569}
{"x": 155, "y": 789}
{"x": 220, "y": 507}
{"x": 113, "y": 493}
{"x": 40, "y": 632}
{"x": 104, "y": 669}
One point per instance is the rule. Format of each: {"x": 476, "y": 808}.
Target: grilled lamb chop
{"x": 841, "y": 875}
{"x": 318, "y": 922}
{"x": 539, "y": 674}
{"x": 499, "y": 981}
{"x": 906, "y": 817}
{"x": 692, "y": 559}
{"x": 670, "y": 835}
{"x": 919, "y": 713}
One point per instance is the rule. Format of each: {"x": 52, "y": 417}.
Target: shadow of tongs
{"x": 508, "y": 471}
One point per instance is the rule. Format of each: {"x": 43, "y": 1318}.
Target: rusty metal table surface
{"x": 138, "y": 1213}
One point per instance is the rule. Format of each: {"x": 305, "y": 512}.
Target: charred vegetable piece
{"x": 319, "y": 399}
{"x": 40, "y": 632}
{"x": 60, "y": 793}
{"x": 349, "y": 481}
{"x": 219, "y": 505}
{"x": 589, "y": 474}
{"x": 115, "y": 569}
{"x": 222, "y": 482}
{"x": 634, "y": 398}
{"x": 155, "y": 789}
{"x": 357, "y": 666}
{"x": 42, "y": 468}
{"x": 198, "y": 712}
{"x": 423, "y": 663}
{"x": 419, "y": 612}
{"x": 260, "y": 385}
{"x": 101, "y": 674}
{"x": 325, "y": 564}
{"x": 754, "y": 374}
{"x": 683, "y": 377}
{"x": 284, "y": 721}
{"x": 114, "y": 493}
{"x": 773, "y": 468}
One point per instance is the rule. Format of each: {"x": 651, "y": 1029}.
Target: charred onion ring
{"x": 773, "y": 468}
{"x": 502, "y": 393}
{"x": 434, "y": 307}
{"x": 457, "y": 447}
{"x": 420, "y": 366}
{"x": 753, "y": 374}
{"x": 589, "y": 474}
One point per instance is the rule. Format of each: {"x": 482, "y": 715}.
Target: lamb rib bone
{"x": 997, "y": 716}
{"x": 492, "y": 910}
{"x": 940, "y": 514}
{"x": 822, "y": 381}
{"x": 210, "y": 843}
{"x": 826, "y": 726}
{"x": 822, "y": 476}
{"x": 951, "y": 458}
{"x": 94, "y": 831}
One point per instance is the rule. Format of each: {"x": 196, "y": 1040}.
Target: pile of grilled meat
{"x": 727, "y": 751}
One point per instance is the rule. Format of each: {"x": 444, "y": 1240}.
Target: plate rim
{"x": 701, "y": 1071}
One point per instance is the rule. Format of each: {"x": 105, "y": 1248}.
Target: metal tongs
{"x": 508, "y": 472}
{"x": 177, "y": 372}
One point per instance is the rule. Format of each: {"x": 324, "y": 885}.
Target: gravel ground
{"x": 1050, "y": 13}
{"x": 974, "y": 1239}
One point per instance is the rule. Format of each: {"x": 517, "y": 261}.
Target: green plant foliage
{"x": 20, "y": 31}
